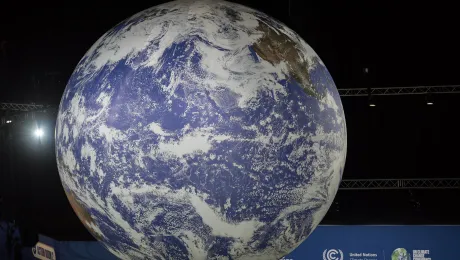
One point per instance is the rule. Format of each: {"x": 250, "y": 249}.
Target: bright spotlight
{"x": 9, "y": 121}
{"x": 39, "y": 132}
{"x": 429, "y": 103}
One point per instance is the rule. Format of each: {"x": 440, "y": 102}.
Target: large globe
{"x": 200, "y": 130}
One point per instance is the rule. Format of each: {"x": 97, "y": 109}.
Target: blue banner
{"x": 380, "y": 243}
{"x": 332, "y": 243}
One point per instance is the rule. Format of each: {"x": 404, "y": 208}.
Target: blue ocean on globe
{"x": 200, "y": 130}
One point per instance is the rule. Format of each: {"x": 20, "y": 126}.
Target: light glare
{"x": 39, "y": 132}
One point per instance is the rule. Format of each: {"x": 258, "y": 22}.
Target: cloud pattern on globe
{"x": 200, "y": 130}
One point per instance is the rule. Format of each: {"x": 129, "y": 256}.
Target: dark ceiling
{"x": 400, "y": 138}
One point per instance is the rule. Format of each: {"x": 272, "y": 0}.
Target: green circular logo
{"x": 400, "y": 254}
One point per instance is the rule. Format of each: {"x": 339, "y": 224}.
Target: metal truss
{"x": 392, "y": 184}
{"x": 356, "y": 92}
{"x": 21, "y": 107}
{"x": 347, "y": 92}
{"x": 12, "y": 113}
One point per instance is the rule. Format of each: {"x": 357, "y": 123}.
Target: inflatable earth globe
{"x": 200, "y": 130}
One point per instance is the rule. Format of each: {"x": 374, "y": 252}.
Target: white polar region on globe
{"x": 200, "y": 130}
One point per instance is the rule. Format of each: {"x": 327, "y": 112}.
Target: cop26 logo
{"x": 332, "y": 254}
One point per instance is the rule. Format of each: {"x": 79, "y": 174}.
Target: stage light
{"x": 370, "y": 98}
{"x": 371, "y": 101}
{"x": 429, "y": 99}
{"x": 9, "y": 121}
{"x": 39, "y": 132}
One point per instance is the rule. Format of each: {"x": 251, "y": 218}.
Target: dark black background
{"x": 401, "y": 45}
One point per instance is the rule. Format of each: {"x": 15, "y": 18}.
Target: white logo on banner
{"x": 333, "y": 254}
